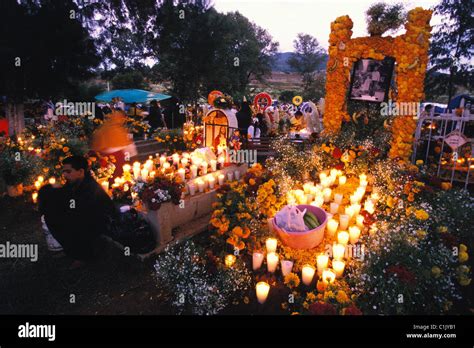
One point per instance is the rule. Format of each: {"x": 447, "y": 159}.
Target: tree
{"x": 130, "y": 79}
{"x": 308, "y": 56}
{"x": 451, "y": 49}
{"x": 382, "y": 17}
{"x": 287, "y": 96}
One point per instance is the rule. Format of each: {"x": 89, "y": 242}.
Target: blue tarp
{"x": 131, "y": 96}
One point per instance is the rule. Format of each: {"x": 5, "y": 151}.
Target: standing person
{"x": 156, "y": 118}
{"x": 244, "y": 118}
{"x": 272, "y": 119}
{"x": 77, "y": 213}
{"x": 253, "y": 132}
{"x": 262, "y": 125}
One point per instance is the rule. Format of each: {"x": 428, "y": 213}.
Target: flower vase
{"x": 15, "y": 190}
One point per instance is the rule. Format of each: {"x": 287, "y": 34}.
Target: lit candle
{"x": 322, "y": 262}
{"x": 363, "y": 183}
{"x": 200, "y": 184}
{"x": 184, "y": 162}
{"x": 333, "y": 172}
{"x": 343, "y": 237}
{"x": 374, "y": 196}
{"x": 192, "y": 189}
{"x": 175, "y": 158}
{"x": 40, "y": 179}
{"x": 144, "y": 174}
{"x": 52, "y": 181}
{"x": 338, "y": 251}
{"x": 307, "y": 186}
{"x": 318, "y": 201}
{"x": 105, "y": 185}
{"x": 334, "y": 207}
{"x": 230, "y": 260}
{"x": 328, "y": 277}
{"x": 213, "y": 165}
{"x": 307, "y": 274}
{"x": 149, "y": 164}
{"x": 204, "y": 168}
{"x": 286, "y": 267}
{"x": 354, "y": 199}
{"x": 338, "y": 198}
{"x": 272, "y": 262}
{"x": 354, "y": 234}
{"x": 221, "y": 178}
{"x": 271, "y": 244}
{"x": 230, "y": 176}
{"x": 369, "y": 206}
{"x": 152, "y": 174}
{"x": 327, "y": 194}
{"x": 332, "y": 227}
{"x": 343, "y": 221}
{"x": 237, "y": 175}
{"x": 182, "y": 173}
{"x": 194, "y": 170}
{"x": 221, "y": 161}
{"x": 34, "y": 196}
{"x": 349, "y": 211}
{"x": 136, "y": 172}
{"x": 360, "y": 221}
{"x": 342, "y": 180}
{"x": 166, "y": 165}
{"x": 355, "y": 209}
{"x": 338, "y": 267}
{"x": 322, "y": 177}
{"x": 162, "y": 160}
{"x": 211, "y": 181}
{"x": 126, "y": 168}
{"x": 262, "y": 289}
{"x": 363, "y": 177}
{"x": 37, "y": 185}
{"x": 257, "y": 259}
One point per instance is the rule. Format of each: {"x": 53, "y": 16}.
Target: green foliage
{"x": 287, "y": 96}
{"x": 16, "y": 164}
{"x": 382, "y": 17}
{"x": 130, "y": 79}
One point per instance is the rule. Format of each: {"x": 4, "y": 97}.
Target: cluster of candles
{"x": 40, "y": 181}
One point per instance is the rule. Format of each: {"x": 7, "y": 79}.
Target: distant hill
{"x": 281, "y": 62}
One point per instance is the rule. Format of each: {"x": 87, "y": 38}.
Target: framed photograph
{"x": 370, "y": 79}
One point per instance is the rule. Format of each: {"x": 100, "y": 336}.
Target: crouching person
{"x": 78, "y": 212}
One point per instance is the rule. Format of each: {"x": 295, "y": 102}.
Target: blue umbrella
{"x": 131, "y": 96}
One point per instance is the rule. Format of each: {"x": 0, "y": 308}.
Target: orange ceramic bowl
{"x": 307, "y": 239}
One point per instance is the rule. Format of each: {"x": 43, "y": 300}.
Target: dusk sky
{"x": 284, "y": 19}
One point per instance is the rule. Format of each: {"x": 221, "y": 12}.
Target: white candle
{"x": 204, "y": 168}
{"x": 354, "y": 234}
{"x": 334, "y": 207}
{"x": 360, "y": 192}
{"x": 343, "y": 221}
{"x": 355, "y": 209}
{"x": 221, "y": 178}
{"x": 175, "y": 158}
{"x": 182, "y": 173}
{"x": 322, "y": 262}
{"x": 343, "y": 237}
{"x": 230, "y": 176}
{"x": 286, "y": 267}
{"x": 342, "y": 180}
{"x": 307, "y": 186}
{"x": 322, "y": 177}
{"x": 144, "y": 174}
{"x": 237, "y": 174}
{"x": 328, "y": 276}
{"x": 37, "y": 185}
{"x": 229, "y": 260}
{"x": 369, "y": 206}
{"x": 213, "y": 165}
{"x": 192, "y": 189}
{"x": 52, "y": 181}
{"x": 363, "y": 177}
{"x": 318, "y": 201}
{"x": 34, "y": 197}
{"x": 262, "y": 290}
{"x": 162, "y": 160}
{"x": 349, "y": 211}
{"x": 363, "y": 183}
{"x": 200, "y": 184}
{"x": 338, "y": 251}
{"x": 211, "y": 181}
{"x": 148, "y": 164}
{"x": 126, "y": 168}
{"x": 272, "y": 262}
{"x": 41, "y": 179}
{"x": 184, "y": 162}
{"x": 136, "y": 172}
{"x": 374, "y": 196}
{"x": 338, "y": 267}
{"x": 332, "y": 227}
{"x": 333, "y": 172}
{"x": 105, "y": 185}
{"x": 221, "y": 162}
{"x": 166, "y": 165}
{"x": 194, "y": 170}
{"x": 360, "y": 221}
{"x": 327, "y": 194}
{"x": 257, "y": 259}
{"x": 152, "y": 174}
{"x": 271, "y": 244}
{"x": 307, "y": 274}
{"x": 354, "y": 199}
{"x": 338, "y": 198}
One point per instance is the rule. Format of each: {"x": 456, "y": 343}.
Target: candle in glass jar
{"x": 182, "y": 173}
{"x": 262, "y": 289}
{"x": 211, "y": 181}
{"x": 309, "y": 198}
{"x": 272, "y": 262}
{"x": 343, "y": 237}
{"x": 369, "y": 206}
{"x": 338, "y": 198}
{"x": 360, "y": 221}
{"x": 175, "y": 158}
{"x": 162, "y": 160}
{"x": 355, "y": 209}
{"x": 349, "y": 211}
{"x": 136, "y": 172}
{"x": 322, "y": 263}
{"x": 204, "y": 168}
{"x": 126, "y": 168}
{"x": 52, "y": 181}
{"x": 328, "y": 276}
{"x": 327, "y": 194}
{"x": 333, "y": 172}
{"x": 307, "y": 186}
{"x": 343, "y": 221}
{"x": 332, "y": 227}
{"x": 286, "y": 267}
{"x": 213, "y": 163}
{"x": 230, "y": 176}
{"x": 363, "y": 183}
{"x": 322, "y": 177}
{"x": 334, "y": 208}
{"x": 221, "y": 178}
{"x": 184, "y": 162}
{"x": 354, "y": 234}
{"x": 230, "y": 260}
{"x": 166, "y": 165}
{"x": 338, "y": 267}
{"x": 152, "y": 174}
{"x": 363, "y": 177}
{"x": 354, "y": 199}
{"x": 200, "y": 184}
{"x": 144, "y": 174}
{"x": 338, "y": 251}
{"x": 221, "y": 161}
{"x": 307, "y": 274}
{"x": 271, "y": 244}
{"x": 192, "y": 189}
{"x": 318, "y": 201}
{"x": 194, "y": 170}
{"x": 342, "y": 180}
{"x": 257, "y": 259}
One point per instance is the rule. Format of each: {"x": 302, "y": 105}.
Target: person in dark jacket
{"x": 244, "y": 118}
{"x": 155, "y": 117}
{"x": 77, "y": 213}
